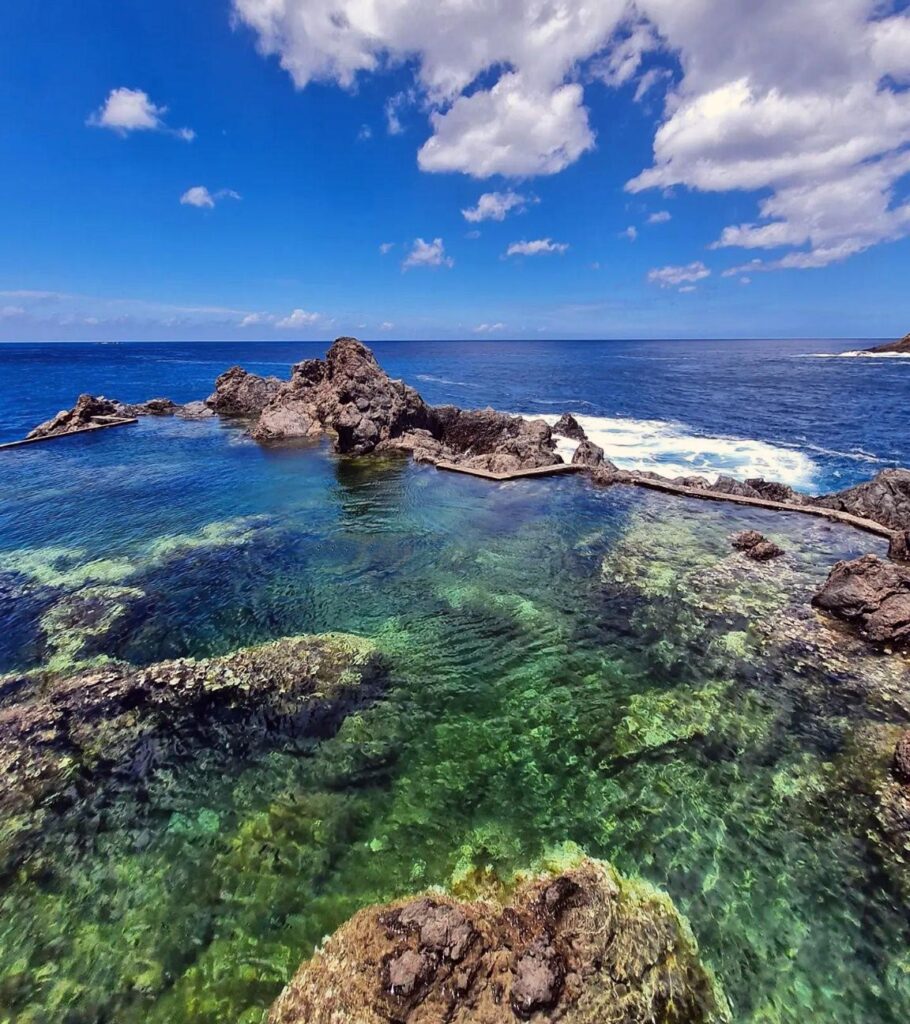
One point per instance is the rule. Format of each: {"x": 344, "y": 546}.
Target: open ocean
{"x": 748, "y": 408}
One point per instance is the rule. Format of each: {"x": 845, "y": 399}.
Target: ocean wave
{"x": 429, "y": 378}
{"x": 564, "y": 402}
{"x": 671, "y": 449}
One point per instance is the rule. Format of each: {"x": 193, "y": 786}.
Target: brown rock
{"x": 901, "y": 766}
{"x": 884, "y": 499}
{"x": 588, "y": 454}
{"x": 568, "y": 426}
{"x": 899, "y": 546}
{"x": 873, "y": 595}
{"x": 901, "y": 347}
{"x": 756, "y": 546}
{"x": 238, "y": 393}
{"x": 87, "y": 412}
{"x": 580, "y": 947}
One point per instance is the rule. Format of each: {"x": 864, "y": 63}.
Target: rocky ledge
{"x": 93, "y": 411}
{"x": 901, "y": 347}
{"x": 871, "y": 594}
{"x": 581, "y": 945}
{"x": 350, "y": 397}
{"x": 57, "y": 732}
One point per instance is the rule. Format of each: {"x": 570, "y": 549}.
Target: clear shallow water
{"x": 567, "y": 665}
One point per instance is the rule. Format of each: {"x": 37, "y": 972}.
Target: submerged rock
{"x": 568, "y": 426}
{"x": 756, "y": 546}
{"x": 581, "y": 946}
{"x": 114, "y": 719}
{"x": 873, "y": 595}
{"x": 89, "y": 411}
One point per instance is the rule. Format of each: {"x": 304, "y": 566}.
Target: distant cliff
{"x": 902, "y": 346}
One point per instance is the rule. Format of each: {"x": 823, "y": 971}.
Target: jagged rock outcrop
{"x": 871, "y": 594}
{"x": 900, "y": 347}
{"x": 899, "y": 546}
{"x": 56, "y": 730}
{"x": 89, "y": 411}
{"x": 568, "y": 426}
{"x": 588, "y": 454}
{"x": 756, "y": 546}
{"x": 583, "y": 946}
{"x": 884, "y": 499}
{"x": 238, "y": 393}
{"x": 901, "y": 765}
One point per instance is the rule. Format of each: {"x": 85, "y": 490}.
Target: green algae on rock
{"x": 582, "y": 945}
{"x": 118, "y": 718}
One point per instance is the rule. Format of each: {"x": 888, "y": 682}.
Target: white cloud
{"x": 539, "y": 247}
{"x": 298, "y": 318}
{"x": 131, "y": 110}
{"x": 393, "y": 108}
{"x": 427, "y": 254}
{"x": 512, "y": 130}
{"x": 661, "y": 217}
{"x": 200, "y": 196}
{"x": 631, "y": 233}
{"x": 489, "y": 328}
{"x": 11, "y": 311}
{"x": 494, "y": 206}
{"x": 687, "y": 289}
{"x": 386, "y": 325}
{"x": 745, "y": 280}
{"x": 386, "y": 247}
{"x": 671, "y": 277}
{"x": 795, "y": 100}
{"x": 365, "y": 133}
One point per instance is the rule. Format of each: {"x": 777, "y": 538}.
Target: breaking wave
{"x": 671, "y": 449}
{"x": 856, "y": 355}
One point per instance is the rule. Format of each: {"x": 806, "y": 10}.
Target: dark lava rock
{"x": 194, "y": 411}
{"x": 884, "y": 499}
{"x": 580, "y": 947}
{"x": 568, "y": 426}
{"x": 769, "y": 490}
{"x": 756, "y": 546}
{"x": 901, "y": 766}
{"x": 873, "y": 595}
{"x": 900, "y": 347}
{"x": 588, "y": 454}
{"x": 102, "y": 721}
{"x": 238, "y": 393}
{"x": 88, "y": 411}
{"x": 899, "y": 546}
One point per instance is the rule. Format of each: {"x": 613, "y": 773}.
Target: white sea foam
{"x": 856, "y": 355}
{"x": 671, "y": 449}
{"x": 442, "y": 380}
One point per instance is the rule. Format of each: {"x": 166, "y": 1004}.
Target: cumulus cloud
{"x": 200, "y": 196}
{"x": 661, "y": 217}
{"x": 803, "y": 102}
{"x": 494, "y": 206}
{"x": 427, "y": 254}
{"x": 131, "y": 110}
{"x": 631, "y": 233}
{"x": 672, "y": 277}
{"x": 298, "y": 318}
{"x": 539, "y": 247}
{"x": 489, "y": 328}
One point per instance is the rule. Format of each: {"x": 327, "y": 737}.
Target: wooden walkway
{"x": 69, "y": 433}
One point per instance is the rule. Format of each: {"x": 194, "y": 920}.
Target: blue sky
{"x": 325, "y": 152}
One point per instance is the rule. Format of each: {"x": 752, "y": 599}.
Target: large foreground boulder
{"x": 56, "y": 730}
{"x": 871, "y": 594}
{"x": 583, "y": 946}
{"x": 884, "y": 499}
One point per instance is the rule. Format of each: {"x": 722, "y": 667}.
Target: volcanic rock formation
{"x": 580, "y": 947}
{"x": 871, "y": 594}
{"x": 901, "y": 347}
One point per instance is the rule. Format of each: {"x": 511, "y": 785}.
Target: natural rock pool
{"x": 565, "y": 667}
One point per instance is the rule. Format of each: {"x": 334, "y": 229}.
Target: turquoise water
{"x": 567, "y": 665}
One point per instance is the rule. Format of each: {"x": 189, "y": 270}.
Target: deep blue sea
{"x": 774, "y": 408}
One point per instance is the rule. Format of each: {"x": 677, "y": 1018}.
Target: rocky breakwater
{"x": 63, "y": 733}
{"x": 350, "y": 397}
{"x": 579, "y": 945}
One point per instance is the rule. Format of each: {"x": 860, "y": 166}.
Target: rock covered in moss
{"x": 873, "y": 595}
{"x": 119, "y": 719}
{"x": 582, "y": 946}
